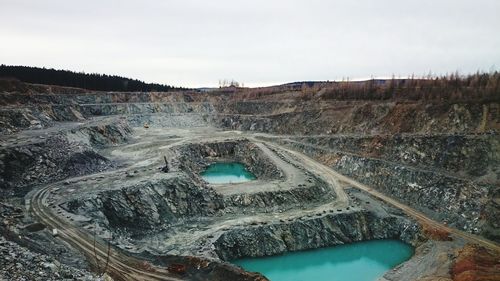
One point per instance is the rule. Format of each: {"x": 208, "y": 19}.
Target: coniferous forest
{"x": 90, "y": 81}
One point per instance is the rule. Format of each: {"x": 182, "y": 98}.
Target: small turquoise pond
{"x": 232, "y": 172}
{"x": 362, "y": 261}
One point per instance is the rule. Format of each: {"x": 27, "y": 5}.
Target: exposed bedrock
{"x": 259, "y": 107}
{"x": 363, "y": 117}
{"x": 24, "y": 166}
{"x": 288, "y": 116}
{"x": 147, "y": 206}
{"x": 471, "y": 156}
{"x": 461, "y": 203}
{"x": 14, "y": 119}
{"x": 168, "y": 120}
{"x": 80, "y": 107}
{"x": 71, "y": 96}
{"x": 464, "y": 204}
{"x": 475, "y": 263}
{"x": 107, "y": 133}
{"x": 280, "y": 200}
{"x": 145, "y": 108}
{"x": 156, "y": 204}
{"x": 197, "y": 156}
{"x": 328, "y": 230}
{"x": 20, "y": 263}
{"x": 161, "y": 201}
{"x": 30, "y": 163}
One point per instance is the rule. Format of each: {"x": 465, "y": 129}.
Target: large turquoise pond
{"x": 362, "y": 261}
{"x": 232, "y": 172}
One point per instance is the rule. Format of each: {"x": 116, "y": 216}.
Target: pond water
{"x": 361, "y": 261}
{"x": 231, "y": 172}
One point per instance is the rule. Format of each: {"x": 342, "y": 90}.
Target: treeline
{"x": 453, "y": 87}
{"x": 479, "y": 86}
{"x": 90, "y": 81}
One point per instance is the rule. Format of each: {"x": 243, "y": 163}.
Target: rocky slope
{"x": 439, "y": 156}
{"x": 469, "y": 156}
{"x": 19, "y": 263}
{"x": 148, "y": 206}
{"x": 195, "y": 157}
{"x": 279, "y": 200}
{"x": 360, "y": 117}
{"x": 462, "y": 203}
{"x": 475, "y": 263}
{"x": 27, "y": 162}
{"x": 310, "y": 233}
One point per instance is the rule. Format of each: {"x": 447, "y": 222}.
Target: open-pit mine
{"x": 272, "y": 183}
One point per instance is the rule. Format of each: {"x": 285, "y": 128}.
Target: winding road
{"x": 120, "y": 266}
{"x": 124, "y": 267}
{"x": 422, "y": 218}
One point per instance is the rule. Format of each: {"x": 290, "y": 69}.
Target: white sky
{"x": 259, "y": 42}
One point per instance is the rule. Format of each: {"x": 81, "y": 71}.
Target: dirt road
{"x": 120, "y": 267}
{"x": 124, "y": 267}
{"x": 329, "y": 173}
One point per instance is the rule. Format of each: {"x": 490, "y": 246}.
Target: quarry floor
{"x": 141, "y": 158}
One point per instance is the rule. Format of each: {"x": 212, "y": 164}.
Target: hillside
{"x": 335, "y": 163}
{"x": 89, "y": 81}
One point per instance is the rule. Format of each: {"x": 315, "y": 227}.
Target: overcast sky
{"x": 258, "y": 42}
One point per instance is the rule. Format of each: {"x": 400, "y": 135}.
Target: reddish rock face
{"x": 475, "y": 263}
{"x": 436, "y": 234}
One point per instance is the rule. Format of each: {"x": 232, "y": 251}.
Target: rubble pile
{"x": 18, "y": 263}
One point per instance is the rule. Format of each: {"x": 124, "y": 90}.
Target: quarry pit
{"x": 119, "y": 176}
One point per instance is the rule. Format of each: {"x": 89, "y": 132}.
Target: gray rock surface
{"x": 20, "y": 264}
{"x": 310, "y": 233}
{"x": 462, "y": 203}
{"x": 57, "y": 156}
{"x": 197, "y": 156}
{"x": 149, "y": 206}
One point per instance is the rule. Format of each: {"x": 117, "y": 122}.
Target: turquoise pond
{"x": 362, "y": 261}
{"x": 227, "y": 173}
